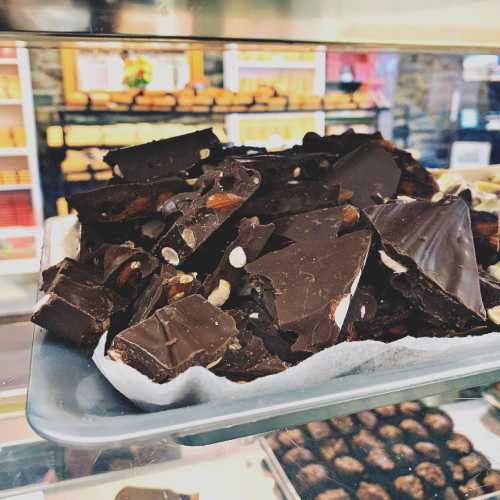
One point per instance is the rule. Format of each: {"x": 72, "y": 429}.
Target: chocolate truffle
{"x": 344, "y": 425}
{"x": 492, "y": 481}
{"x": 348, "y": 466}
{"x": 371, "y": 491}
{"x": 410, "y": 408}
{"x": 457, "y": 472}
{"x": 273, "y": 443}
{"x": 414, "y": 429}
{"x": 336, "y": 494}
{"x": 471, "y": 489}
{"x": 429, "y": 451}
{"x": 390, "y": 433}
{"x": 387, "y": 411}
{"x": 319, "y": 430}
{"x": 409, "y": 487}
{"x": 291, "y": 437}
{"x": 298, "y": 455}
{"x": 367, "y": 419}
{"x": 459, "y": 444}
{"x": 332, "y": 448}
{"x": 311, "y": 475}
{"x": 380, "y": 459}
{"x": 366, "y": 441}
{"x": 404, "y": 454}
{"x": 475, "y": 463}
{"x": 439, "y": 423}
{"x": 431, "y": 473}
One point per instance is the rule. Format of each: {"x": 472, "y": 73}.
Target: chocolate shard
{"x": 292, "y": 198}
{"x": 337, "y": 144}
{"x": 187, "y": 333}
{"x": 226, "y": 191}
{"x": 318, "y": 225}
{"x": 124, "y": 202}
{"x": 86, "y": 307}
{"x": 247, "y": 246}
{"x": 85, "y": 274}
{"x": 429, "y": 251}
{"x": 485, "y": 228}
{"x": 367, "y": 171}
{"x": 126, "y": 267}
{"x": 311, "y": 294}
{"x": 165, "y": 157}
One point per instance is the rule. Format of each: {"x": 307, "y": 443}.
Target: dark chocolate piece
{"x": 77, "y": 312}
{"x": 362, "y": 310}
{"x": 298, "y": 455}
{"x": 165, "y": 157}
{"x": 82, "y": 273}
{"x": 457, "y": 472}
{"x": 227, "y": 190}
{"x": 291, "y": 437}
{"x": 366, "y": 441}
{"x": 134, "y": 493}
{"x": 390, "y": 433}
{"x": 431, "y": 474}
{"x": 367, "y": 171}
{"x": 428, "y": 248}
{"x": 336, "y": 494}
{"x": 311, "y": 295}
{"x": 368, "y": 419}
{"x": 491, "y": 481}
{"x": 411, "y": 408}
{"x": 348, "y": 466}
{"x": 380, "y": 460}
{"x": 371, "y": 491}
{"x": 337, "y": 144}
{"x": 319, "y": 430}
{"x": 439, "y": 423}
{"x": 333, "y": 447}
{"x": 414, "y": 429}
{"x": 151, "y": 299}
{"x": 403, "y": 454}
{"x": 475, "y": 463}
{"x": 409, "y": 487}
{"x": 345, "y": 425}
{"x": 311, "y": 475}
{"x": 471, "y": 489}
{"x": 252, "y": 238}
{"x": 386, "y": 411}
{"x": 294, "y": 197}
{"x": 318, "y": 225}
{"x": 485, "y": 228}
{"x": 124, "y": 202}
{"x": 429, "y": 451}
{"x": 186, "y": 333}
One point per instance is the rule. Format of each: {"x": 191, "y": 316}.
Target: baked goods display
{"x": 405, "y": 451}
{"x": 247, "y": 262}
{"x": 12, "y": 137}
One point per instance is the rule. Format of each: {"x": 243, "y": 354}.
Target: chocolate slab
{"x": 252, "y": 238}
{"x": 84, "y": 274}
{"x": 165, "y": 157}
{"x": 428, "y": 249}
{"x": 151, "y": 299}
{"x": 77, "y": 312}
{"x": 367, "y": 171}
{"x": 186, "y": 333}
{"x": 292, "y": 198}
{"x": 337, "y": 144}
{"x": 312, "y": 294}
{"x": 124, "y": 202}
{"x": 226, "y": 191}
{"x": 485, "y": 228}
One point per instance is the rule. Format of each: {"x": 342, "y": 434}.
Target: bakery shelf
{"x": 14, "y": 151}
{"x": 14, "y": 187}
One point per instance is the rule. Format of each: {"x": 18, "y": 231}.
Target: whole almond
{"x": 224, "y": 201}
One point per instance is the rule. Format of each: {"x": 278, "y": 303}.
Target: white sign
{"x": 470, "y": 154}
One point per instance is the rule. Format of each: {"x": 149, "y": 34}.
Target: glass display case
{"x": 395, "y": 424}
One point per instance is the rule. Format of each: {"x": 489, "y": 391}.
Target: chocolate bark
{"x": 311, "y": 294}
{"x": 84, "y": 274}
{"x": 337, "y": 144}
{"x": 165, "y": 157}
{"x": 429, "y": 251}
{"x": 367, "y": 171}
{"x": 226, "y": 191}
{"x": 187, "y": 333}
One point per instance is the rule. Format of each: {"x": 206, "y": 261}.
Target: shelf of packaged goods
{"x": 10, "y": 102}
{"x": 19, "y": 231}
{"x": 14, "y": 152}
{"x": 8, "y": 61}
{"x": 15, "y": 187}
{"x": 19, "y": 266}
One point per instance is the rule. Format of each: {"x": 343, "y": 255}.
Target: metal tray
{"x": 70, "y": 402}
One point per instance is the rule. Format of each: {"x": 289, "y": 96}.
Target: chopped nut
{"x": 184, "y": 279}
{"x": 117, "y": 171}
{"x": 345, "y": 195}
{"x": 189, "y": 237}
{"x": 437, "y": 197}
{"x": 224, "y": 201}
{"x": 324, "y": 164}
{"x": 126, "y": 273}
{"x": 219, "y": 295}
{"x": 178, "y": 296}
{"x": 204, "y": 153}
{"x": 406, "y": 199}
{"x": 192, "y": 182}
{"x": 115, "y": 355}
{"x": 494, "y": 314}
{"x": 213, "y": 363}
{"x": 238, "y": 257}
{"x": 392, "y": 264}
{"x": 254, "y": 315}
{"x": 350, "y": 215}
{"x": 296, "y": 172}
{"x": 170, "y": 256}
{"x": 255, "y": 180}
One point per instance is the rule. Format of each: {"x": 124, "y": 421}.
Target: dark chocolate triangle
{"x": 436, "y": 239}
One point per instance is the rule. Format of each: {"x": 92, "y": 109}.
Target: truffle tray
{"x": 70, "y": 402}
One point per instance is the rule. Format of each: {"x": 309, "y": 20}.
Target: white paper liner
{"x": 199, "y": 385}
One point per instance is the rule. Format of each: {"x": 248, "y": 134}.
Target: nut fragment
{"x": 296, "y": 172}
{"x": 184, "y": 279}
{"x": 324, "y": 164}
{"x": 192, "y": 182}
{"x": 204, "y": 153}
{"x": 219, "y": 295}
{"x": 350, "y": 215}
{"x": 224, "y": 201}
{"x": 117, "y": 171}
{"x": 115, "y": 355}
{"x": 178, "y": 296}
{"x": 391, "y": 263}
{"x": 238, "y": 257}
{"x": 494, "y": 314}
{"x": 170, "y": 256}
{"x": 437, "y": 197}
{"x": 338, "y": 311}
{"x": 123, "y": 277}
{"x": 189, "y": 237}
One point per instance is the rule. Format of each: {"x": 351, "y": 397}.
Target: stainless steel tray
{"x": 70, "y": 402}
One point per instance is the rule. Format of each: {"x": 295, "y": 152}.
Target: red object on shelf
{"x": 16, "y": 209}
{"x": 7, "y": 52}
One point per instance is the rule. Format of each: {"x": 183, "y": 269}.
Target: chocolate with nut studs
{"x": 431, "y": 474}
{"x": 298, "y": 455}
{"x": 333, "y": 447}
{"x": 371, "y": 491}
{"x": 409, "y": 487}
{"x": 319, "y": 430}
